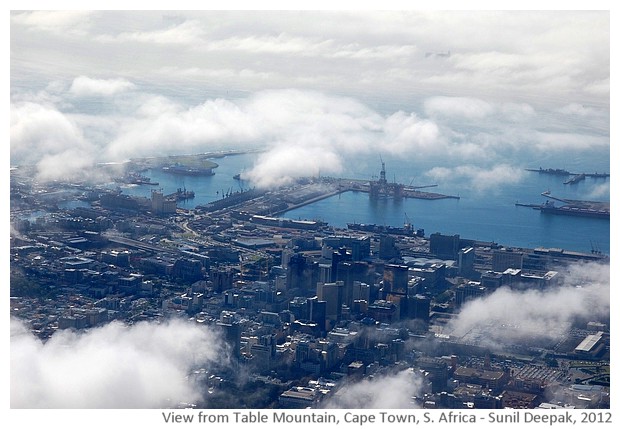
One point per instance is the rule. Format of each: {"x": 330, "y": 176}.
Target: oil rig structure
{"x": 381, "y": 187}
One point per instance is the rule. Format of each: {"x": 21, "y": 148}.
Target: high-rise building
{"x": 337, "y": 257}
{"x": 232, "y": 335}
{"x": 503, "y": 259}
{"x": 466, "y": 258}
{"x": 469, "y": 291}
{"x": 222, "y": 279}
{"x": 387, "y": 247}
{"x": 299, "y": 307}
{"x": 360, "y": 291}
{"x": 445, "y": 246}
{"x": 419, "y": 307}
{"x": 438, "y": 372}
{"x": 492, "y": 280}
{"x": 395, "y": 279}
{"x": 333, "y": 295}
{"x": 350, "y": 272}
{"x": 302, "y": 273}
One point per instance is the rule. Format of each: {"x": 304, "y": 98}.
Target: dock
{"x": 561, "y": 172}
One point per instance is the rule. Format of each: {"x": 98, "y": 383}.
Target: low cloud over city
{"x": 384, "y": 391}
{"x": 145, "y": 365}
{"x": 510, "y": 316}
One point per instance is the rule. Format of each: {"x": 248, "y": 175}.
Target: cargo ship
{"x": 182, "y": 194}
{"x": 136, "y": 179}
{"x": 575, "y": 179}
{"x": 188, "y": 171}
{"x": 549, "y": 207}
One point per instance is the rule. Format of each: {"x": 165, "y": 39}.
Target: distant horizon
{"x": 310, "y": 88}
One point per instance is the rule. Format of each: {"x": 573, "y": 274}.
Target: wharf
{"x": 562, "y": 172}
{"x": 302, "y": 195}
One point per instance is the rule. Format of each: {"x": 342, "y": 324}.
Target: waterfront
{"x": 487, "y": 215}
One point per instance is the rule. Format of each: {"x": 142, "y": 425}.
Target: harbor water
{"x": 486, "y": 212}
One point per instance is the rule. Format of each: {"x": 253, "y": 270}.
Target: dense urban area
{"x": 303, "y": 308}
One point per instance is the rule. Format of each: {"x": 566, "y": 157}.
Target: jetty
{"x": 561, "y": 172}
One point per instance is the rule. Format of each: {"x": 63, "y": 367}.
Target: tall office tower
{"x": 302, "y": 273}
{"x": 492, "y": 280}
{"x": 395, "y": 279}
{"x": 438, "y": 370}
{"x": 299, "y": 307}
{"x": 387, "y": 247}
{"x": 419, "y": 307}
{"x": 232, "y": 336}
{"x": 333, "y": 295}
{"x": 360, "y": 292}
{"x": 445, "y": 246}
{"x": 337, "y": 257}
{"x": 325, "y": 272}
{"x": 317, "y": 312}
{"x": 466, "y": 262}
{"x": 222, "y": 279}
{"x": 350, "y": 272}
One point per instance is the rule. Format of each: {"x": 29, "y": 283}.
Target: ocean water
{"x": 488, "y": 213}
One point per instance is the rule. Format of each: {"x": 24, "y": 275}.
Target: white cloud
{"x": 409, "y": 133}
{"x": 114, "y": 366}
{"x": 283, "y": 164}
{"x": 161, "y": 126}
{"x": 600, "y": 190}
{"x": 322, "y": 129}
{"x": 84, "y": 86}
{"x": 281, "y": 44}
{"x": 185, "y": 33}
{"x": 74, "y": 22}
{"x": 541, "y": 314}
{"x": 545, "y": 57}
{"x": 376, "y": 393}
{"x": 517, "y": 112}
{"x": 42, "y": 135}
{"x": 481, "y": 179}
{"x": 559, "y": 141}
{"x": 470, "y": 108}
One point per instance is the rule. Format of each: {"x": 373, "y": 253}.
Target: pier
{"x": 561, "y": 172}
